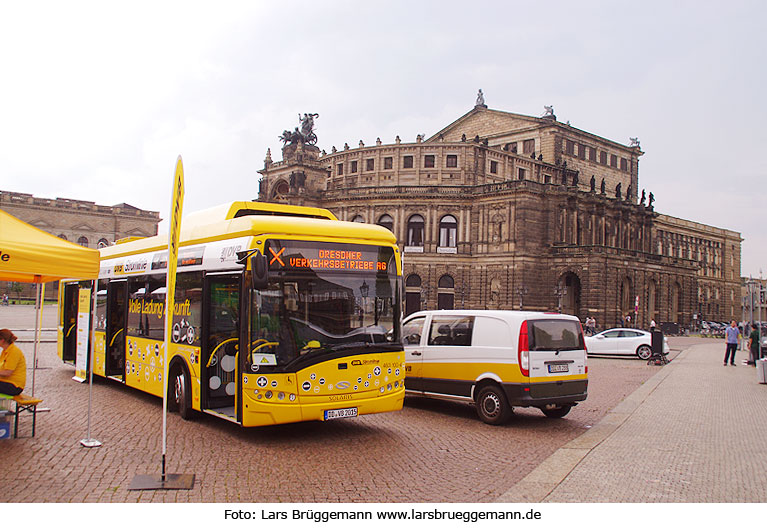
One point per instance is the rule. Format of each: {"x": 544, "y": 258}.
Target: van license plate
{"x": 558, "y": 368}
{"x": 332, "y": 414}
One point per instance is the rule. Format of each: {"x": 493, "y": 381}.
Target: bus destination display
{"x": 290, "y": 255}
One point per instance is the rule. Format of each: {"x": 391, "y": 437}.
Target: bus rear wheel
{"x": 492, "y": 406}
{"x": 181, "y": 394}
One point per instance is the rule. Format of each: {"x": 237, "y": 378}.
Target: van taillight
{"x": 523, "y": 350}
{"x": 582, "y": 339}
{"x": 585, "y": 350}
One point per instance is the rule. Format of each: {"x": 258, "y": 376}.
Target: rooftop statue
{"x": 480, "y": 98}
{"x": 306, "y": 135}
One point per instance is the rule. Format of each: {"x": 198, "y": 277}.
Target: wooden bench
{"x": 23, "y": 403}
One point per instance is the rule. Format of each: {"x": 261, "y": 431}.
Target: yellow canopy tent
{"x": 28, "y": 254}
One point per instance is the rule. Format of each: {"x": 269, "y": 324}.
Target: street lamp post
{"x": 560, "y": 291}
{"x": 425, "y": 296}
{"x": 364, "y": 290}
{"x": 522, "y": 291}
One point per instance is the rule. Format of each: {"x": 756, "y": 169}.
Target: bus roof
{"x": 194, "y": 230}
{"x": 231, "y": 210}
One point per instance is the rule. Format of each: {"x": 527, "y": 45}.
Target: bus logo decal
{"x": 343, "y": 385}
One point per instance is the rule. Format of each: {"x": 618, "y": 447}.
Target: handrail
{"x": 222, "y": 343}
{"x": 115, "y": 336}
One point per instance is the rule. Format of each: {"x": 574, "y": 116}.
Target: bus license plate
{"x": 333, "y": 414}
{"x": 558, "y": 368}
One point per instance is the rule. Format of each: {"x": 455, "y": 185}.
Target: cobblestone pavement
{"x": 431, "y": 451}
{"x": 693, "y": 433}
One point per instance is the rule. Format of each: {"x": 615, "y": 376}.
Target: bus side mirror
{"x": 259, "y": 271}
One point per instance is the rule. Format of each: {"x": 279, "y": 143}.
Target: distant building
{"x": 501, "y": 210}
{"x": 754, "y": 299}
{"x": 77, "y": 221}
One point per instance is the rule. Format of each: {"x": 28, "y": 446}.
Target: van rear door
{"x": 556, "y": 349}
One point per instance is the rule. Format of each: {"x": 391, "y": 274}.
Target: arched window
{"x": 102, "y": 243}
{"x": 415, "y": 231}
{"x": 281, "y": 190}
{"x": 570, "y": 292}
{"x": 445, "y": 293}
{"x": 448, "y": 229}
{"x": 652, "y": 300}
{"x": 83, "y": 241}
{"x": 63, "y": 236}
{"x": 387, "y": 222}
{"x": 412, "y": 293}
{"x": 413, "y": 281}
{"x": 359, "y": 219}
{"x": 626, "y": 304}
{"x": 676, "y": 302}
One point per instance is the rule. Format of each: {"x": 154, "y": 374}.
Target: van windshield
{"x": 555, "y": 334}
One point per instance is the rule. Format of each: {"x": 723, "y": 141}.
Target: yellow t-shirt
{"x": 13, "y": 359}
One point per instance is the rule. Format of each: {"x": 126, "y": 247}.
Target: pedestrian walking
{"x": 753, "y": 344}
{"x": 732, "y": 335}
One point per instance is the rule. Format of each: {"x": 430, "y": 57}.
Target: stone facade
{"x": 77, "y": 221}
{"x": 500, "y": 210}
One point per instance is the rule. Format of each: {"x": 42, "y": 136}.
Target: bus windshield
{"x": 323, "y": 299}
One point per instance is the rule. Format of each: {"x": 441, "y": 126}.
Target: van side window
{"x": 451, "y": 331}
{"x": 412, "y": 331}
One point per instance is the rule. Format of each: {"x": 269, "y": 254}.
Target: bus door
{"x": 220, "y": 342}
{"x": 115, "y": 334}
{"x": 71, "y": 299}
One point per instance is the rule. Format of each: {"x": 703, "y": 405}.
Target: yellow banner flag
{"x": 176, "y": 207}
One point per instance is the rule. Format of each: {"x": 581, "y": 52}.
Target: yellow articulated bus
{"x": 282, "y": 314}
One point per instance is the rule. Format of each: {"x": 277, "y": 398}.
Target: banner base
{"x": 90, "y": 442}
{"x": 156, "y": 482}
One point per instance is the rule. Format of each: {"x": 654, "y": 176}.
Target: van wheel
{"x": 492, "y": 406}
{"x": 556, "y": 412}
{"x": 181, "y": 394}
{"x": 644, "y": 352}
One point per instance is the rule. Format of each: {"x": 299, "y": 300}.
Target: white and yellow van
{"x": 497, "y": 359}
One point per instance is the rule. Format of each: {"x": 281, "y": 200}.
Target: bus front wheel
{"x": 181, "y": 394}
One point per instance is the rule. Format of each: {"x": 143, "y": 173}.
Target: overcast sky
{"x": 98, "y": 99}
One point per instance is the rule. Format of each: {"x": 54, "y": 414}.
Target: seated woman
{"x": 13, "y": 366}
